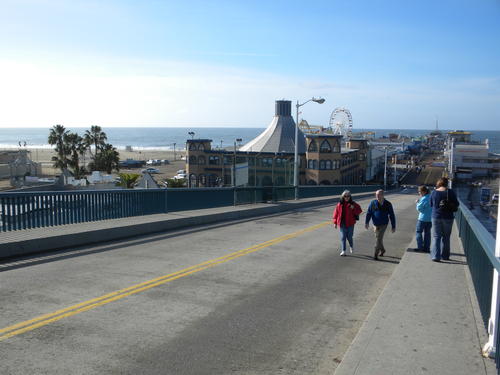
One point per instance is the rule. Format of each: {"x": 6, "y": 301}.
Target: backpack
{"x": 448, "y": 205}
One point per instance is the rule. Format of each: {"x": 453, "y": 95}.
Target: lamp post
{"x": 296, "y": 153}
{"x": 174, "y": 151}
{"x": 385, "y": 169}
{"x": 191, "y": 134}
{"x": 234, "y": 168}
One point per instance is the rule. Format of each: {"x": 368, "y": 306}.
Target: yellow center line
{"x": 45, "y": 319}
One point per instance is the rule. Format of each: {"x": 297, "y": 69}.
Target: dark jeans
{"x": 441, "y": 232}
{"x": 423, "y": 234}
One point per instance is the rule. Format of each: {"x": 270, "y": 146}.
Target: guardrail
{"x": 479, "y": 248}
{"x": 27, "y": 210}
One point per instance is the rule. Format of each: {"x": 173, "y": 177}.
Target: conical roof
{"x": 279, "y": 136}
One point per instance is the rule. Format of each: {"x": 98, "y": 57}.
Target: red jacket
{"x": 353, "y": 209}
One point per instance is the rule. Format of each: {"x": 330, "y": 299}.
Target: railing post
{"x": 489, "y": 349}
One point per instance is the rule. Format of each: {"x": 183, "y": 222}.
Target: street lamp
{"x": 385, "y": 168}
{"x": 234, "y": 169}
{"x": 296, "y": 153}
{"x": 191, "y": 134}
{"x": 174, "y": 151}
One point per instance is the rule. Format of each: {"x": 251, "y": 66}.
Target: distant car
{"x": 151, "y": 170}
{"x": 181, "y": 171}
{"x": 165, "y": 161}
{"x": 180, "y": 176}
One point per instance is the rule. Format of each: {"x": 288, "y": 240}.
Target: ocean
{"x": 143, "y": 138}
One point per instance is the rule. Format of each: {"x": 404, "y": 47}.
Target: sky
{"x": 393, "y": 64}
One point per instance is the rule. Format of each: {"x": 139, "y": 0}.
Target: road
{"x": 261, "y": 296}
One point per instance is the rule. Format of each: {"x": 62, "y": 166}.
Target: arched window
{"x": 212, "y": 180}
{"x": 201, "y": 147}
{"x": 312, "y": 164}
{"x": 322, "y": 164}
{"x": 202, "y": 160}
{"x": 325, "y": 182}
{"x": 311, "y": 182}
{"x": 336, "y": 147}
{"x": 202, "y": 179}
{"x": 328, "y": 164}
{"x": 192, "y": 159}
{"x": 193, "y": 181}
{"x": 325, "y": 146}
{"x": 313, "y": 146}
{"x": 192, "y": 146}
{"x": 213, "y": 160}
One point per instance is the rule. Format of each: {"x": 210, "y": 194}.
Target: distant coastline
{"x": 163, "y": 139}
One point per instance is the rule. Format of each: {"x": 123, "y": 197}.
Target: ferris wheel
{"x": 341, "y": 122}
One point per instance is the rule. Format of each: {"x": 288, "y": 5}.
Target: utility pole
{"x": 385, "y": 169}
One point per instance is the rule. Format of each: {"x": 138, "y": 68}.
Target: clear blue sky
{"x": 394, "y": 64}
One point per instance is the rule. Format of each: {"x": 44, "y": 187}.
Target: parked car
{"x": 151, "y": 170}
{"x": 180, "y": 176}
{"x": 181, "y": 171}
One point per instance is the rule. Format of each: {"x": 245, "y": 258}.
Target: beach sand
{"x": 44, "y": 156}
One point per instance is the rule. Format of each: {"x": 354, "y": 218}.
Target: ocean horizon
{"x": 158, "y": 138}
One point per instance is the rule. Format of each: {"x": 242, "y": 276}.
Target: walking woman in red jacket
{"x": 345, "y": 216}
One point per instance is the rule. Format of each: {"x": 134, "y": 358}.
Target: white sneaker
{"x": 351, "y": 249}
{"x": 342, "y": 253}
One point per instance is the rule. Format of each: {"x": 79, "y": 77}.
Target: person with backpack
{"x": 380, "y": 211}
{"x": 345, "y": 215}
{"x": 424, "y": 222}
{"x": 444, "y": 203}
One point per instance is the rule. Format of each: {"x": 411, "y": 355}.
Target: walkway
{"x": 425, "y": 322}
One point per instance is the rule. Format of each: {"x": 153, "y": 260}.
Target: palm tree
{"x": 128, "y": 180}
{"x": 95, "y": 137}
{"x": 106, "y": 160}
{"x": 77, "y": 147}
{"x": 57, "y": 137}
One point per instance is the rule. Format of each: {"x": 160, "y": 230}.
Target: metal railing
{"x": 27, "y": 210}
{"x": 479, "y": 248}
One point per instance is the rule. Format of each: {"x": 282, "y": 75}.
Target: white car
{"x": 151, "y": 170}
{"x": 180, "y": 176}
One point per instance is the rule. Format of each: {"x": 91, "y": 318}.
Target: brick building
{"x": 324, "y": 159}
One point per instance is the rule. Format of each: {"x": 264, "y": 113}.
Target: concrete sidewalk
{"x": 426, "y": 321}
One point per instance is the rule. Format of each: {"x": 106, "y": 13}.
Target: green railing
{"x": 26, "y": 210}
{"x": 479, "y": 248}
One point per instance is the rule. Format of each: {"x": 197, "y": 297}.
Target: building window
{"x": 203, "y": 179}
{"x": 202, "y": 160}
{"x": 192, "y": 146}
{"x": 228, "y": 160}
{"x": 213, "y": 160}
{"x": 321, "y": 164}
{"x": 336, "y": 147}
{"x": 361, "y": 156}
{"x": 313, "y": 147}
{"x": 201, "y": 147}
{"x": 192, "y": 159}
{"x": 193, "y": 181}
{"x": 212, "y": 180}
{"x": 311, "y": 182}
{"x": 266, "y": 162}
{"x": 325, "y": 147}
{"x": 328, "y": 164}
{"x": 325, "y": 182}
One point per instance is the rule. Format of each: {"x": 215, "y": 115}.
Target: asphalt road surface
{"x": 261, "y": 296}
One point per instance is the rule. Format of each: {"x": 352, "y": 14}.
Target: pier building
{"x": 324, "y": 159}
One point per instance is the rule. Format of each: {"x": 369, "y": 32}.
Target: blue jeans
{"x": 346, "y": 234}
{"x": 441, "y": 238}
{"x": 423, "y": 234}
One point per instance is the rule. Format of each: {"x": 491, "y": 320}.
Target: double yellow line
{"x": 43, "y": 320}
